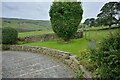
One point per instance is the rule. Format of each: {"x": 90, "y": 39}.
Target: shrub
{"x": 78, "y": 74}
{"x": 107, "y": 58}
{"x": 65, "y": 18}
{"x": 111, "y": 43}
{"x": 85, "y": 60}
{"x": 5, "y": 47}
{"x": 9, "y": 35}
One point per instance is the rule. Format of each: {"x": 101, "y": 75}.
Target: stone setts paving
{"x": 64, "y": 57}
{"x": 61, "y": 56}
{"x": 17, "y": 64}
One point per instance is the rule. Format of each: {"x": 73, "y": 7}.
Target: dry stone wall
{"x": 64, "y": 57}
{"x": 47, "y": 37}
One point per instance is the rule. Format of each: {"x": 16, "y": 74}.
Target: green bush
{"x": 5, "y": 47}
{"x": 85, "y": 60}
{"x": 107, "y": 58}
{"x": 9, "y": 35}
{"x": 65, "y": 18}
{"x": 78, "y": 74}
{"x": 111, "y": 43}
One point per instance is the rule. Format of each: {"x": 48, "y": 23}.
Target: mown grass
{"x": 75, "y": 45}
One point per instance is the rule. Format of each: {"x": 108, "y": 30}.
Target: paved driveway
{"x": 17, "y": 64}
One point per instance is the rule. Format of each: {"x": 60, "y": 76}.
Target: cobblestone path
{"x": 17, "y": 64}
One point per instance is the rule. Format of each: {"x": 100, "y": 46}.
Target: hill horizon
{"x": 26, "y": 25}
{"x": 22, "y": 18}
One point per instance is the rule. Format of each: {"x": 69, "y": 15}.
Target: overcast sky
{"x": 40, "y": 10}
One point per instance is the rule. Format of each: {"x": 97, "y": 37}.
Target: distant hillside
{"x": 25, "y": 25}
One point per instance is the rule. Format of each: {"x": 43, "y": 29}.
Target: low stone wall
{"x": 47, "y": 37}
{"x": 64, "y": 57}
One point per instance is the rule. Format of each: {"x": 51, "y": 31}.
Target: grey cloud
{"x": 9, "y": 6}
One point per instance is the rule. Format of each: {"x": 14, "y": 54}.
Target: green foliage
{"x": 9, "y": 35}
{"x": 107, "y": 57}
{"x": 111, "y": 43}
{"x": 79, "y": 74}
{"x": 90, "y": 22}
{"x": 85, "y": 60}
{"x": 65, "y": 18}
{"x": 109, "y": 12}
{"x": 87, "y": 21}
{"x": 5, "y": 47}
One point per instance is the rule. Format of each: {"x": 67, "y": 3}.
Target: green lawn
{"x": 75, "y": 45}
{"x": 25, "y": 34}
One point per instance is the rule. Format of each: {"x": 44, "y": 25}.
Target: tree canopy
{"x": 109, "y": 13}
{"x": 65, "y": 18}
{"x": 90, "y": 22}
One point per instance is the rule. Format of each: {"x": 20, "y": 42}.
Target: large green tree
{"x": 65, "y": 18}
{"x": 118, "y": 12}
{"x": 109, "y": 12}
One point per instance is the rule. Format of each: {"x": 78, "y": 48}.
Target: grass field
{"x": 97, "y": 28}
{"x": 26, "y": 25}
{"x": 76, "y": 45}
{"x": 98, "y": 35}
{"x": 25, "y": 34}
{"x": 32, "y": 33}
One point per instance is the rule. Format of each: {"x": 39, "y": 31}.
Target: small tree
{"x": 65, "y": 18}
